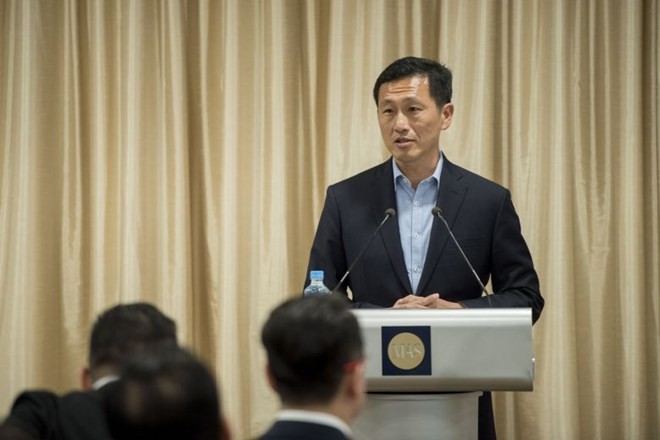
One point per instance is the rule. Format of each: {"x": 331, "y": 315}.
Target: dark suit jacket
{"x": 47, "y": 416}
{"x": 292, "y": 430}
{"x": 481, "y": 216}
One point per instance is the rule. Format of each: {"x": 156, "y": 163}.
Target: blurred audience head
{"x": 165, "y": 393}
{"x": 121, "y": 331}
{"x": 315, "y": 355}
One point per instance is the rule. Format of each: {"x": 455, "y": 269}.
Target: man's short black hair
{"x": 439, "y": 77}
{"x": 126, "y": 328}
{"x": 164, "y": 393}
{"x": 309, "y": 341}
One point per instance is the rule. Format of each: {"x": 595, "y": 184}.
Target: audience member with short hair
{"x": 164, "y": 394}
{"x": 316, "y": 366}
{"x": 117, "y": 334}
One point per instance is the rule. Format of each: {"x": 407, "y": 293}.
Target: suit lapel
{"x": 450, "y": 200}
{"x": 384, "y": 199}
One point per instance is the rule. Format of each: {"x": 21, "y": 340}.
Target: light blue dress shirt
{"x": 413, "y": 210}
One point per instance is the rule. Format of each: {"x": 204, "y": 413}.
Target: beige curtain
{"x": 178, "y": 151}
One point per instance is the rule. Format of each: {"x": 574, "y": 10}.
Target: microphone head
{"x": 436, "y": 211}
{"x": 390, "y": 212}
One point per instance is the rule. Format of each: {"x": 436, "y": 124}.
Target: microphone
{"x": 438, "y": 213}
{"x": 389, "y": 213}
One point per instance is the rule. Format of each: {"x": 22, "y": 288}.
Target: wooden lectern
{"x": 426, "y": 368}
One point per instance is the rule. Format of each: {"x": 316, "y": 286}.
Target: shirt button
{"x": 416, "y": 203}
{"x": 416, "y": 235}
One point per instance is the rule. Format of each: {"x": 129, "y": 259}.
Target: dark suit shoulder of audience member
{"x": 45, "y": 415}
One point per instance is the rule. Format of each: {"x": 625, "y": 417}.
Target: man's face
{"x": 411, "y": 122}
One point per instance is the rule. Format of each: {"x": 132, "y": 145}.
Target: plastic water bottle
{"x": 316, "y": 286}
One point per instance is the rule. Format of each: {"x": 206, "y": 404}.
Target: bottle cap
{"x": 315, "y": 274}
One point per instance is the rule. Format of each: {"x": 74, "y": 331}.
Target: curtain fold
{"x": 178, "y": 152}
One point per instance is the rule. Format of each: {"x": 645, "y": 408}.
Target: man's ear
{"x": 447, "y": 115}
{"x": 86, "y": 381}
{"x": 271, "y": 379}
{"x": 357, "y": 383}
{"x": 225, "y": 432}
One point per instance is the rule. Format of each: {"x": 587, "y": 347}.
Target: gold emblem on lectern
{"x": 406, "y": 351}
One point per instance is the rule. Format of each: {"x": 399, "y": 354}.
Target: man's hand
{"x": 416, "y": 302}
{"x": 432, "y": 301}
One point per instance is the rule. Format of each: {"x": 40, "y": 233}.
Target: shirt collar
{"x": 99, "y": 383}
{"x": 322, "y": 418}
{"x": 398, "y": 174}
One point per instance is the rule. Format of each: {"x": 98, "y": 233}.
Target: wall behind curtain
{"x": 178, "y": 151}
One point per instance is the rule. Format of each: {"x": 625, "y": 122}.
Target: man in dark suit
{"x": 414, "y": 263}
{"x": 118, "y": 334}
{"x": 316, "y": 366}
